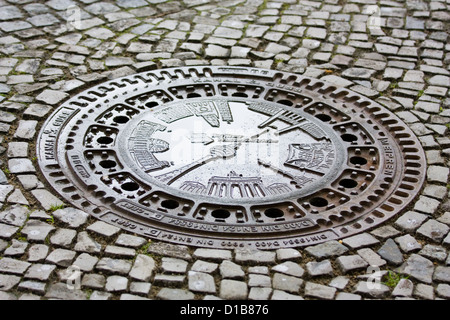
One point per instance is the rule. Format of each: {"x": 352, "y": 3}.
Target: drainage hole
{"x": 121, "y": 119}
{"x": 108, "y": 164}
{"x": 358, "y": 161}
{"x": 347, "y": 137}
{"x": 274, "y": 213}
{"x": 130, "y": 186}
{"x": 318, "y": 202}
{"x": 288, "y": 103}
{"x": 152, "y": 104}
{"x": 348, "y": 183}
{"x": 323, "y": 117}
{"x": 193, "y": 95}
{"x": 105, "y": 140}
{"x": 170, "y": 204}
{"x": 221, "y": 214}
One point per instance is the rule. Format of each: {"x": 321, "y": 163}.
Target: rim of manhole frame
{"x": 383, "y": 170}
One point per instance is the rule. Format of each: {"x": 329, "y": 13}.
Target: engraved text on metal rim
{"x": 230, "y": 157}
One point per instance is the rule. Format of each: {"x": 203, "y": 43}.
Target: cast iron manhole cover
{"x": 231, "y": 157}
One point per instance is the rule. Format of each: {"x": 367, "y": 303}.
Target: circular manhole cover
{"x": 231, "y": 157}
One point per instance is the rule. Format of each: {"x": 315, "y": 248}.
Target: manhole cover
{"x": 231, "y": 157}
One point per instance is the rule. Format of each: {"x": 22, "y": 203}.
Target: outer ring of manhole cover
{"x": 229, "y": 157}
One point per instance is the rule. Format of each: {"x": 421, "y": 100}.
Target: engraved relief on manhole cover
{"x": 231, "y": 157}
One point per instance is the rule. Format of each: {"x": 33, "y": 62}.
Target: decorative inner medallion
{"x": 223, "y": 149}
{"x": 231, "y": 157}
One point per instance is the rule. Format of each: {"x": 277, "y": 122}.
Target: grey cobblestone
{"x": 45, "y": 60}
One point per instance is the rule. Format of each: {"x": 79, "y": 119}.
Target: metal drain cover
{"x": 230, "y": 157}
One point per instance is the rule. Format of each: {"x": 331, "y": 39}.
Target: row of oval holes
{"x": 223, "y": 213}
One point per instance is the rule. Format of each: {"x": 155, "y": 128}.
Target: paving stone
{"x": 385, "y": 232}
{"x": 203, "y": 266}
{"x": 348, "y": 296}
{"x": 213, "y": 254}
{"x": 26, "y": 130}
{"x": 13, "y": 266}
{"x": 230, "y": 270}
{"x": 322, "y": 268}
{"x": 424, "y": 291}
{"x": 46, "y": 199}
{"x": 411, "y": 221}
{"x": 376, "y": 291}
{"x": 37, "y": 252}
{"x": 63, "y": 237}
{"x": 201, "y": 282}
{"x": 433, "y": 252}
{"x": 372, "y": 258}
{"x": 15, "y": 215}
{"x": 170, "y": 250}
{"x": 140, "y": 288}
{"x": 16, "y": 249}
{"x": 257, "y": 293}
{"x": 419, "y": 268}
{"x": 7, "y": 282}
{"x": 319, "y": 291}
{"x": 404, "y": 288}
{"x": 41, "y": 272}
{"x": 172, "y": 265}
{"x": 229, "y": 33}
{"x": 408, "y": 243}
{"x": 438, "y": 174}
{"x": 143, "y": 268}
{"x": 277, "y": 48}
{"x": 118, "y": 61}
{"x": 21, "y": 165}
{"x": 37, "y": 230}
{"x": 61, "y": 257}
{"x": 351, "y": 263}
{"x": 5, "y": 190}
{"x": 93, "y": 281}
{"x": 443, "y": 290}
{"x": 52, "y": 97}
{"x": 118, "y": 266}
{"x": 286, "y": 283}
{"x": 215, "y": 51}
{"x": 288, "y": 254}
{"x": 284, "y": 296}
{"x": 259, "y": 280}
{"x": 131, "y": 241}
{"x": 71, "y": 216}
{"x": 103, "y": 229}
{"x": 233, "y": 290}
{"x": 85, "y": 262}
{"x": 119, "y": 252}
{"x": 434, "y": 230}
{"x": 327, "y": 250}
{"x": 86, "y": 244}
{"x": 289, "y": 268}
{"x": 391, "y": 253}
{"x": 442, "y": 274}
{"x": 360, "y": 240}
{"x": 169, "y": 280}
{"x": 254, "y": 256}
{"x": 116, "y": 284}
{"x": 426, "y": 205}
{"x": 33, "y": 286}
{"x": 175, "y": 294}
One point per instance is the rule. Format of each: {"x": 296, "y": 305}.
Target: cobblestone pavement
{"x": 50, "y": 251}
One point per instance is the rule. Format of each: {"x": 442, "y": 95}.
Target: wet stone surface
{"x": 402, "y": 64}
